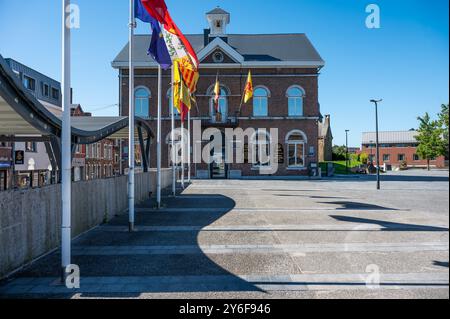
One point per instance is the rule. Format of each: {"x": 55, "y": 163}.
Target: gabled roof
{"x": 398, "y": 137}
{"x": 218, "y": 10}
{"x": 219, "y": 43}
{"x": 257, "y": 50}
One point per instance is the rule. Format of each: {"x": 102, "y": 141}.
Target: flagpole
{"x": 189, "y": 146}
{"x": 182, "y": 150}
{"x": 172, "y": 137}
{"x": 66, "y": 149}
{"x": 131, "y": 155}
{"x": 158, "y": 155}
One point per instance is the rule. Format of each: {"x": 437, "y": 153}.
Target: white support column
{"x": 158, "y": 140}
{"x": 131, "y": 155}
{"x": 189, "y": 147}
{"x": 66, "y": 147}
{"x": 172, "y": 137}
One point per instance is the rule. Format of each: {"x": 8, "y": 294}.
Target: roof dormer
{"x": 218, "y": 20}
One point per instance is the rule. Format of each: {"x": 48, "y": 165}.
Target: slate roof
{"x": 218, "y": 10}
{"x": 253, "y": 47}
{"x": 398, "y": 137}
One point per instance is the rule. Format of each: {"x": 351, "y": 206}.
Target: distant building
{"x": 354, "y": 150}
{"x": 30, "y": 161}
{"x": 94, "y": 161}
{"x": 325, "y": 148}
{"x": 396, "y": 148}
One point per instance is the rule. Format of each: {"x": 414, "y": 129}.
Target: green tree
{"x": 443, "y": 123}
{"x": 429, "y": 138}
{"x": 364, "y": 158}
{"x": 339, "y": 153}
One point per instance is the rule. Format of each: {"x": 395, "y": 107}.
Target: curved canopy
{"x": 22, "y": 114}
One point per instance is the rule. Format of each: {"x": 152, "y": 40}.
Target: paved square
{"x": 268, "y": 239}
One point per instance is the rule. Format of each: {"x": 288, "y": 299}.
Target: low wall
{"x": 30, "y": 219}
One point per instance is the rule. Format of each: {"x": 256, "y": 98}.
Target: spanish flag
{"x": 182, "y": 95}
{"x": 248, "y": 92}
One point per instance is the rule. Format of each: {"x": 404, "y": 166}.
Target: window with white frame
{"x": 296, "y": 142}
{"x": 222, "y": 106}
{"x": 142, "y": 102}
{"x": 261, "y": 102}
{"x": 295, "y": 97}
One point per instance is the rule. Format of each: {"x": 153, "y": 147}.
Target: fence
{"x": 30, "y": 219}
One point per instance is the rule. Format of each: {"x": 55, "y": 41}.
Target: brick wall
{"x": 278, "y": 81}
{"x": 409, "y": 152}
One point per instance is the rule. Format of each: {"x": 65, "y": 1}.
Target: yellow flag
{"x": 248, "y": 92}
{"x": 181, "y": 93}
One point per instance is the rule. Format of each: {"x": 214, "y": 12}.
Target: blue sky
{"x": 406, "y": 62}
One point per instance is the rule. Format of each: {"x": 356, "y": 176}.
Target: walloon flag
{"x": 158, "y": 49}
{"x": 178, "y": 46}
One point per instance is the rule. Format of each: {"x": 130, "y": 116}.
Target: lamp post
{"x": 346, "y": 151}
{"x": 377, "y": 142}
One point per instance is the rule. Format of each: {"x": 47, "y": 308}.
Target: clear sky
{"x": 405, "y": 62}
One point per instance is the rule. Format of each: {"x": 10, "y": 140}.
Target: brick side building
{"x": 285, "y": 69}
{"x": 396, "y": 148}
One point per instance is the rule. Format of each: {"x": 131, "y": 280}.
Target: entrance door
{"x": 219, "y": 169}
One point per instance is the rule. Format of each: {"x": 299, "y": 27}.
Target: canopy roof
{"x": 22, "y": 114}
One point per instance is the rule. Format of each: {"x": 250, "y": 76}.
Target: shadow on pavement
{"x": 347, "y": 205}
{"x": 390, "y": 226}
{"x": 441, "y": 263}
{"x": 128, "y": 265}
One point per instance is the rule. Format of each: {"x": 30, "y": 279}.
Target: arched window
{"x": 295, "y": 97}
{"x": 296, "y": 142}
{"x": 171, "y": 107}
{"x": 261, "y": 149}
{"x": 142, "y": 102}
{"x": 223, "y": 105}
{"x": 261, "y": 102}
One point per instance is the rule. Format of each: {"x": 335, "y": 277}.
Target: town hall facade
{"x": 285, "y": 70}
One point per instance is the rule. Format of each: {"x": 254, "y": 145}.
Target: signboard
{"x": 78, "y": 162}
{"x": 19, "y": 157}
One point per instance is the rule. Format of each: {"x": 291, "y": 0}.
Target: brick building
{"x": 396, "y": 148}
{"x": 285, "y": 70}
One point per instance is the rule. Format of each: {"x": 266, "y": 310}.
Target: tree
{"x": 429, "y": 138}
{"x": 339, "y": 153}
{"x": 364, "y": 158}
{"x": 443, "y": 123}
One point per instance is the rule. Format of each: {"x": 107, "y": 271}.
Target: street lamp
{"x": 346, "y": 151}
{"x": 377, "y": 141}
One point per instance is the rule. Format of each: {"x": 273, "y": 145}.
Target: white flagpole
{"x": 189, "y": 146}
{"x": 172, "y": 136}
{"x": 131, "y": 156}
{"x": 158, "y": 183}
{"x": 66, "y": 149}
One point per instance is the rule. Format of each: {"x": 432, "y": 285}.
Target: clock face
{"x": 218, "y": 57}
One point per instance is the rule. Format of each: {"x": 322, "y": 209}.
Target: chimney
{"x": 206, "y": 33}
{"x": 327, "y": 120}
